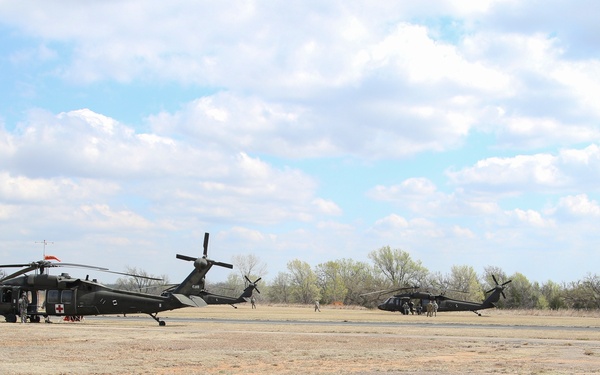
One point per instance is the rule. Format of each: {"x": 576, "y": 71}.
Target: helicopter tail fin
{"x": 194, "y": 283}
{"x": 247, "y": 294}
{"x": 497, "y": 291}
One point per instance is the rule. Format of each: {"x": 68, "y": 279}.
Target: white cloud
{"x": 568, "y": 170}
{"x": 389, "y": 88}
{"x": 327, "y": 207}
{"x": 101, "y": 216}
{"x": 577, "y": 207}
{"x": 530, "y": 217}
{"x": 23, "y": 189}
{"x": 511, "y": 174}
{"x": 463, "y": 232}
{"x": 423, "y": 199}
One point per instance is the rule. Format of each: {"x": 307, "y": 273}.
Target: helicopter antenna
{"x": 45, "y": 243}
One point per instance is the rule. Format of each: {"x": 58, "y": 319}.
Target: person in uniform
{"x": 317, "y": 306}
{"x": 253, "y": 302}
{"x": 435, "y": 308}
{"x": 405, "y": 308}
{"x": 23, "y": 303}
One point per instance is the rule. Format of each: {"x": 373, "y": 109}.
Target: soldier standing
{"x": 405, "y": 308}
{"x": 317, "y": 306}
{"x": 23, "y": 303}
{"x": 253, "y": 302}
{"x": 435, "y": 308}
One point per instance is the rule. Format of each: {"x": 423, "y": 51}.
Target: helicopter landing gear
{"x": 155, "y": 317}
{"x": 478, "y": 313}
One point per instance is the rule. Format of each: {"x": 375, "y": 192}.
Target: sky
{"x": 462, "y": 132}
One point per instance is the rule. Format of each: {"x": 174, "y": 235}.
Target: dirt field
{"x": 297, "y": 340}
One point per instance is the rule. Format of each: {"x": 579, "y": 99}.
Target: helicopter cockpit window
{"x": 53, "y": 296}
{"x": 67, "y": 296}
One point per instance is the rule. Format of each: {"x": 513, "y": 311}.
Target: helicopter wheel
{"x": 155, "y": 317}
{"x": 11, "y": 318}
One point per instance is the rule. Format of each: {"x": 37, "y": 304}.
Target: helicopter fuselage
{"x": 53, "y": 295}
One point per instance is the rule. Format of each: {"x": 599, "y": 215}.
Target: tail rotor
{"x": 499, "y": 286}
{"x": 253, "y": 283}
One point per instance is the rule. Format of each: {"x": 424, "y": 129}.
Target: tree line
{"x": 352, "y": 282}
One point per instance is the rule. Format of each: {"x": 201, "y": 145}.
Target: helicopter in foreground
{"x": 396, "y": 302}
{"x": 63, "y": 295}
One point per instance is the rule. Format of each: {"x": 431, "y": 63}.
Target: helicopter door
{"x": 8, "y": 305}
{"x": 60, "y": 302}
{"x": 41, "y": 301}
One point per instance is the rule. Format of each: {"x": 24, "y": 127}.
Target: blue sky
{"x": 466, "y": 133}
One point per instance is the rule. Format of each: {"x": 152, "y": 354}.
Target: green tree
{"x": 279, "y": 290}
{"x": 397, "y": 267}
{"x": 521, "y": 294}
{"x": 359, "y": 278}
{"x": 553, "y": 293}
{"x": 331, "y": 282}
{"x": 584, "y": 294}
{"x": 465, "y": 279}
{"x": 303, "y": 282}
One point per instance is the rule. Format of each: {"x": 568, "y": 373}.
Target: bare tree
{"x": 141, "y": 281}
{"x": 249, "y": 265}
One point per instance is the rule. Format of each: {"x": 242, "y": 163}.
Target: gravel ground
{"x": 293, "y": 340}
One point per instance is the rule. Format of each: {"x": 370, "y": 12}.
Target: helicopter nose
{"x": 381, "y": 306}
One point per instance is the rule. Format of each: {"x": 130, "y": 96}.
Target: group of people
{"x": 431, "y": 308}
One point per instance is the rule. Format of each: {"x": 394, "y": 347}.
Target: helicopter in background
{"x": 63, "y": 295}
{"x": 217, "y": 299}
{"x": 397, "y": 302}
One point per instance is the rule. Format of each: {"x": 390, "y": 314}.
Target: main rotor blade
{"x": 18, "y": 273}
{"x": 185, "y": 257}
{"x": 14, "y": 265}
{"x": 205, "y": 246}
{"x": 75, "y": 265}
{"x": 133, "y": 275}
{"x": 226, "y": 265}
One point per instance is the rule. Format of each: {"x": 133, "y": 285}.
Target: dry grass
{"x": 295, "y": 339}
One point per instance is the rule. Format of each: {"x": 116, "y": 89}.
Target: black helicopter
{"x": 396, "y": 302}
{"x": 63, "y": 295}
{"x": 216, "y": 299}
